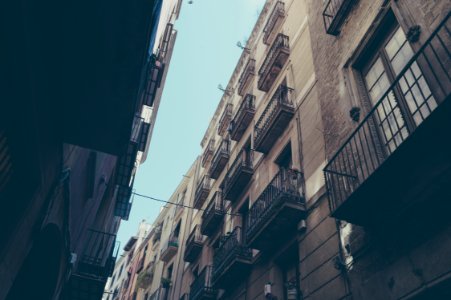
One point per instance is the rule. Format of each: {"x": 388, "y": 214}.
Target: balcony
{"x": 246, "y": 77}
{"x": 208, "y": 153}
{"x": 145, "y": 276}
{"x": 164, "y": 46}
{"x": 225, "y": 119}
{"x": 212, "y": 216}
{"x": 202, "y": 191}
{"x": 194, "y": 245}
{"x": 154, "y": 74}
{"x": 239, "y": 174}
{"x": 274, "y": 119}
{"x": 232, "y": 260}
{"x": 274, "y": 22}
{"x": 123, "y": 204}
{"x": 335, "y": 14}
{"x": 243, "y": 117}
{"x": 274, "y": 216}
{"x": 274, "y": 62}
{"x": 388, "y": 171}
{"x": 202, "y": 287}
{"x": 220, "y": 159}
{"x": 170, "y": 249}
{"x": 126, "y": 163}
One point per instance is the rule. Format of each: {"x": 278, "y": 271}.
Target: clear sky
{"x": 205, "y": 56}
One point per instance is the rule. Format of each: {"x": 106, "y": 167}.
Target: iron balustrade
{"x": 193, "y": 245}
{"x": 277, "y": 13}
{"x": 243, "y": 117}
{"x": 169, "y": 248}
{"x": 6, "y": 169}
{"x": 244, "y": 159}
{"x": 286, "y": 186}
{"x": 166, "y": 40}
{"x": 225, "y": 119}
{"x": 99, "y": 254}
{"x": 281, "y": 98}
{"x": 195, "y": 236}
{"x": 274, "y": 58}
{"x": 334, "y": 14}
{"x": 220, "y": 158}
{"x": 123, "y": 202}
{"x": 248, "y": 72}
{"x": 231, "y": 247}
{"x": 424, "y": 83}
{"x": 153, "y": 76}
{"x": 214, "y": 209}
{"x": 209, "y": 150}
{"x": 126, "y": 164}
{"x": 202, "y": 191}
{"x": 203, "y": 284}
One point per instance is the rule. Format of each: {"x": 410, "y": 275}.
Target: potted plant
{"x": 165, "y": 282}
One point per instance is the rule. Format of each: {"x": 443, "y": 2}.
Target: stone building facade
{"x": 324, "y": 168}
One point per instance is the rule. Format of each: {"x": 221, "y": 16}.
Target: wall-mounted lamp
{"x": 240, "y": 45}
{"x": 226, "y": 91}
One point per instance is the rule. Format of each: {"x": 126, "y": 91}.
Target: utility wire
{"x": 177, "y": 204}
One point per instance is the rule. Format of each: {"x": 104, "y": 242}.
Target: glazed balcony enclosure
{"x": 274, "y": 62}
{"x": 208, "y": 152}
{"x": 220, "y": 159}
{"x": 232, "y": 260}
{"x": 95, "y": 265}
{"x": 202, "y": 191}
{"x": 274, "y": 119}
{"x": 246, "y": 76}
{"x": 194, "y": 245}
{"x": 335, "y": 13}
{"x": 243, "y": 117}
{"x": 239, "y": 174}
{"x": 389, "y": 168}
{"x": 225, "y": 119}
{"x": 170, "y": 249}
{"x": 212, "y": 216}
{"x": 274, "y": 216}
{"x": 202, "y": 287}
{"x": 274, "y": 21}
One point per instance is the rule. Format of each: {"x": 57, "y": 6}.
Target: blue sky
{"x": 205, "y": 55}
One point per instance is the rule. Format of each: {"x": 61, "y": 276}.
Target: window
{"x": 404, "y": 106}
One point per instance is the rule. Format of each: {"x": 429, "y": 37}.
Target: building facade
{"x": 82, "y": 86}
{"x": 324, "y": 168}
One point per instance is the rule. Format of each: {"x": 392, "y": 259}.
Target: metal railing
{"x": 164, "y": 47}
{"x": 244, "y": 159}
{"x": 203, "y": 186}
{"x": 286, "y": 186}
{"x": 249, "y": 70}
{"x": 333, "y": 14}
{"x": 202, "y": 284}
{"x": 282, "y": 42}
{"x": 231, "y": 246}
{"x": 209, "y": 150}
{"x": 173, "y": 241}
{"x": 223, "y": 150}
{"x": 424, "y": 83}
{"x": 125, "y": 165}
{"x": 99, "y": 254}
{"x": 216, "y": 206}
{"x": 225, "y": 119}
{"x": 124, "y": 202}
{"x": 246, "y": 106}
{"x": 277, "y": 12}
{"x": 282, "y": 97}
{"x": 195, "y": 236}
{"x": 153, "y": 76}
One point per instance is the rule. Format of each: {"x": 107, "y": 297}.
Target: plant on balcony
{"x": 144, "y": 280}
{"x": 166, "y": 282}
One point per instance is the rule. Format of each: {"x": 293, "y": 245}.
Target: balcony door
{"x": 402, "y": 106}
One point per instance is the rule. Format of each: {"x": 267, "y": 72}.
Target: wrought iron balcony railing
{"x": 164, "y": 46}
{"x": 154, "y": 74}
{"x": 194, "y": 245}
{"x": 202, "y": 287}
{"x": 213, "y": 214}
{"x": 243, "y": 117}
{"x": 231, "y": 259}
{"x": 126, "y": 164}
{"x": 239, "y": 174}
{"x": 202, "y": 191}
{"x": 274, "y": 20}
{"x": 208, "y": 153}
{"x": 169, "y": 249}
{"x": 425, "y": 83}
{"x": 224, "y": 121}
{"x": 246, "y": 76}
{"x": 274, "y": 119}
{"x": 277, "y": 210}
{"x": 334, "y": 15}
{"x": 220, "y": 159}
{"x": 124, "y": 202}
{"x": 274, "y": 62}
{"x": 99, "y": 254}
